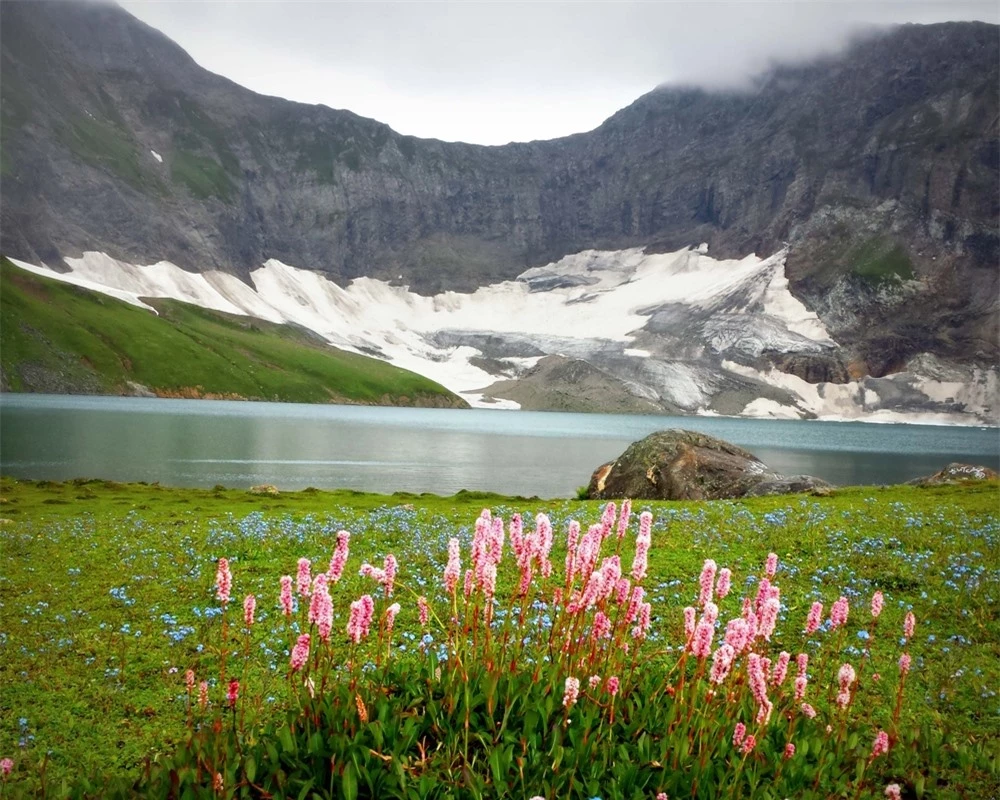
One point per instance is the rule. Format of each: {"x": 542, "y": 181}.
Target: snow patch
{"x": 156, "y": 155}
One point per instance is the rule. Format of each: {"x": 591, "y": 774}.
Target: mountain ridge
{"x": 879, "y": 166}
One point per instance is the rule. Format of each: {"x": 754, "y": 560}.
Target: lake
{"x": 239, "y": 444}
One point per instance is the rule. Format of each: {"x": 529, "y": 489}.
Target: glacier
{"x": 681, "y": 331}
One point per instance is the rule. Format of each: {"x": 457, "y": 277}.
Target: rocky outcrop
{"x": 686, "y": 465}
{"x": 879, "y": 166}
{"x": 956, "y": 473}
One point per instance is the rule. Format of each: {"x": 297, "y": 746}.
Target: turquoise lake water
{"x": 239, "y": 444}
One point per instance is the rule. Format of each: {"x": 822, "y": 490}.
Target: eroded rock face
{"x": 956, "y": 473}
{"x": 686, "y": 465}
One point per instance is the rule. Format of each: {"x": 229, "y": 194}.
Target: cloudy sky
{"x": 494, "y": 72}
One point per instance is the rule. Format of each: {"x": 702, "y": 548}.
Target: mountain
{"x": 874, "y": 173}
{"x": 56, "y": 338}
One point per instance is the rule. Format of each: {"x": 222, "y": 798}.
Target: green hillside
{"x": 59, "y": 338}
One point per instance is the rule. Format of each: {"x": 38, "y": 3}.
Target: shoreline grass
{"x": 107, "y": 598}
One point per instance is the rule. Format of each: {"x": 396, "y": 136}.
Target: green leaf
{"x": 349, "y": 783}
{"x": 918, "y": 785}
{"x": 251, "y": 768}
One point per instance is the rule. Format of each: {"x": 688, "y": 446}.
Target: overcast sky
{"x": 494, "y": 72}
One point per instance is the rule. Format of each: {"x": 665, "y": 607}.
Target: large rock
{"x": 956, "y": 473}
{"x": 686, "y": 465}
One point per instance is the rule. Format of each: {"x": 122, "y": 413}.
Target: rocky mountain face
{"x": 879, "y": 168}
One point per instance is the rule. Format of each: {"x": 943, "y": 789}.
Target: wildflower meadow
{"x": 186, "y": 643}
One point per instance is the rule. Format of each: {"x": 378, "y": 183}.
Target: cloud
{"x": 499, "y": 71}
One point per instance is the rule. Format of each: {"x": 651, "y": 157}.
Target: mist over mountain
{"x": 877, "y": 167}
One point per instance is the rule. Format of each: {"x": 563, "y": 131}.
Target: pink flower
{"x": 624, "y": 518}
{"x": 701, "y": 643}
{"x": 594, "y": 682}
{"x": 454, "y": 567}
{"x": 881, "y": 744}
{"x": 878, "y": 601}
{"x": 517, "y": 542}
{"x": 724, "y": 583}
{"x": 645, "y": 613}
{"x": 203, "y": 695}
{"x": 814, "y": 618}
{"x": 339, "y": 559}
{"x": 360, "y": 620}
{"x": 748, "y": 744}
{"x": 909, "y": 623}
{"x": 233, "y": 693}
{"x": 758, "y": 678}
{"x": 662, "y": 796}
{"x": 808, "y": 710}
{"x": 424, "y": 610}
{"x": 802, "y": 661}
{"x": 789, "y": 750}
{"x": 304, "y": 577}
{"x": 249, "y": 607}
{"x": 390, "y": 565}
{"x": 6, "y": 765}
{"x": 572, "y": 538}
{"x": 572, "y": 692}
{"x": 707, "y": 581}
{"x": 622, "y": 589}
{"x": 321, "y": 609}
{"x": 642, "y": 543}
{"x": 763, "y": 592}
{"x": 800, "y": 686}
{"x": 737, "y": 634}
{"x": 893, "y": 792}
{"x": 602, "y": 626}
{"x": 223, "y": 581}
{"x": 846, "y": 677}
{"x": 608, "y": 519}
{"x": 612, "y": 685}
{"x": 390, "y": 616}
{"x": 286, "y": 595}
{"x": 318, "y": 589}
{"x": 300, "y": 653}
{"x": 189, "y": 681}
{"x": 722, "y": 662}
{"x": 689, "y": 622}
{"x": 711, "y": 613}
{"x": 764, "y": 713}
{"x": 771, "y": 565}
{"x": 635, "y": 605}
{"x": 769, "y": 617}
{"x": 838, "y": 613}
{"x": 904, "y": 663}
{"x": 739, "y": 732}
{"x": 780, "y": 669}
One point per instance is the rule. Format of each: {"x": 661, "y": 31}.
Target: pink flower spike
{"x": 701, "y": 644}
{"x": 881, "y": 744}
{"x": 771, "y": 565}
{"x": 878, "y": 601}
{"x": 748, "y": 744}
{"x": 203, "y": 695}
{"x": 624, "y": 518}
{"x": 909, "y": 624}
{"x": 390, "y": 566}
{"x": 802, "y": 661}
{"x": 662, "y": 796}
{"x": 808, "y": 710}
{"x": 454, "y": 567}
{"x": 304, "y": 577}
{"x": 893, "y": 792}
{"x": 339, "y": 559}
{"x": 223, "y": 581}
{"x": 594, "y": 682}
{"x": 6, "y": 765}
{"x": 424, "y": 610}
{"x": 233, "y": 694}
{"x": 189, "y": 681}
{"x": 722, "y": 662}
{"x": 815, "y": 618}
{"x": 689, "y": 622}
{"x": 286, "y": 595}
{"x": 390, "y": 616}
{"x": 249, "y": 607}
{"x": 838, "y": 613}
{"x": 904, "y": 663}
{"x": 612, "y": 684}
{"x": 572, "y": 692}
{"x": 608, "y": 519}
{"x": 739, "y": 732}
{"x": 780, "y": 669}
{"x": 300, "y": 653}
{"x": 724, "y": 583}
{"x": 707, "y": 581}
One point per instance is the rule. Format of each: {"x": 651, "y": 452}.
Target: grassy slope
{"x": 57, "y": 337}
{"x": 90, "y": 674}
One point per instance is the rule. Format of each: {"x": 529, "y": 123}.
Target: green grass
{"x": 88, "y": 571}
{"x": 202, "y": 176}
{"x": 109, "y": 148}
{"x": 880, "y": 260}
{"x": 81, "y": 341}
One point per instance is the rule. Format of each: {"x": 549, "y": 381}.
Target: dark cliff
{"x": 879, "y": 166}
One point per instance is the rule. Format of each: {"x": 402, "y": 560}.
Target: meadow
{"x": 111, "y": 593}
